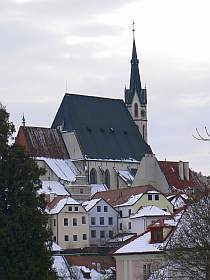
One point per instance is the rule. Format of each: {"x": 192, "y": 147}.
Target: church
{"x": 103, "y": 141}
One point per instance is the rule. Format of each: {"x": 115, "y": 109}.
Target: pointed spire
{"x": 135, "y": 82}
{"x": 23, "y": 120}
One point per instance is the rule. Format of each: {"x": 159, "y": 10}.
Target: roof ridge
{"x": 93, "y": 96}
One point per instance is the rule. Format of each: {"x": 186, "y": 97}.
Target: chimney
{"x": 186, "y": 171}
{"x": 181, "y": 169}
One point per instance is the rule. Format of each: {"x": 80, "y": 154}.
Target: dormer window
{"x": 136, "y": 110}
{"x": 156, "y": 234}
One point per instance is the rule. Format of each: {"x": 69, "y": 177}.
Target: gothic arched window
{"x": 136, "y": 110}
{"x": 107, "y": 178}
{"x": 93, "y": 176}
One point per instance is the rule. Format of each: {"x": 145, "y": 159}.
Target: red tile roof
{"x": 171, "y": 172}
{"x": 91, "y": 261}
{"x": 55, "y": 201}
{"x": 42, "y": 142}
{"x": 119, "y": 196}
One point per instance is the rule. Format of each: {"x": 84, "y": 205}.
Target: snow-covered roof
{"x": 122, "y": 238}
{"x": 131, "y": 201}
{"x": 63, "y": 168}
{"x": 147, "y": 211}
{"x": 56, "y": 247}
{"x": 61, "y": 203}
{"x": 89, "y": 204}
{"x": 178, "y": 202}
{"x": 52, "y": 187}
{"x": 98, "y": 188}
{"x": 140, "y": 245}
{"x": 61, "y": 268}
{"x": 126, "y": 176}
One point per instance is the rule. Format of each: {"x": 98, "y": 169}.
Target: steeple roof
{"x": 135, "y": 81}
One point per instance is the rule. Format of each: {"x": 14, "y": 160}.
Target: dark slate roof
{"x": 42, "y": 142}
{"x": 104, "y": 127}
{"x": 135, "y": 81}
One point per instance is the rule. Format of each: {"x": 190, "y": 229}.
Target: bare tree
{"x": 200, "y": 137}
{"x": 187, "y": 254}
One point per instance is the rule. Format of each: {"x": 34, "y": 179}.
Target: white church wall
{"x": 72, "y": 145}
{"x": 102, "y": 165}
{"x": 149, "y": 173}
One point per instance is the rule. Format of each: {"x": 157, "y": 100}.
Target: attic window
{"x": 102, "y": 130}
{"x": 125, "y": 132}
{"x": 112, "y": 130}
{"x": 89, "y": 129}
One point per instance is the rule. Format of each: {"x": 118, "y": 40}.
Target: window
{"x": 75, "y": 237}
{"x": 54, "y": 238}
{"x": 102, "y": 234}
{"x": 110, "y": 221}
{"x": 146, "y": 270}
{"x": 66, "y": 238}
{"x": 149, "y": 196}
{"x": 101, "y": 220}
{"x": 83, "y": 220}
{"x": 93, "y": 233}
{"x": 136, "y": 110}
{"x": 65, "y": 222}
{"x": 84, "y": 236}
{"x": 93, "y": 176}
{"x": 93, "y": 221}
{"x": 129, "y": 225}
{"x": 107, "y": 178}
{"x": 74, "y": 221}
{"x": 76, "y": 208}
{"x": 164, "y": 209}
{"x": 110, "y": 234}
{"x": 120, "y": 226}
{"x": 81, "y": 191}
{"x": 98, "y": 208}
{"x": 105, "y": 208}
{"x": 70, "y": 208}
{"x": 129, "y": 212}
{"x": 54, "y": 222}
{"x": 156, "y": 196}
{"x": 120, "y": 212}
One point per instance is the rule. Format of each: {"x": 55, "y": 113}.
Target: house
{"x": 145, "y": 216}
{"x": 167, "y": 176}
{"x": 137, "y": 259}
{"x": 69, "y": 223}
{"x": 103, "y": 220}
{"x": 47, "y": 147}
{"x": 134, "y": 204}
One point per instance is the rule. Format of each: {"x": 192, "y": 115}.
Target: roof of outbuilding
{"x": 42, "y": 142}
{"x": 104, "y": 127}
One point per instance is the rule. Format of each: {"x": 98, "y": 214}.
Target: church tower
{"x": 136, "y": 96}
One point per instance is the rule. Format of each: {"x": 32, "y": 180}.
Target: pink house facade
{"x": 139, "y": 258}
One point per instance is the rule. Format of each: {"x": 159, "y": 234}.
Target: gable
{"x": 104, "y": 127}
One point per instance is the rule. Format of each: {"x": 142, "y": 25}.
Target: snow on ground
{"x": 60, "y": 266}
{"x": 74, "y": 272}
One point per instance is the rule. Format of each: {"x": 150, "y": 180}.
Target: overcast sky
{"x": 88, "y": 43}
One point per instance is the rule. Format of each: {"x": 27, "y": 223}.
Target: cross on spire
{"x": 133, "y": 30}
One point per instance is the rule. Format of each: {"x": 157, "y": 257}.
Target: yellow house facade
{"x": 69, "y": 223}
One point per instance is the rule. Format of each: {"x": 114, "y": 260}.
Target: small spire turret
{"x": 23, "y": 120}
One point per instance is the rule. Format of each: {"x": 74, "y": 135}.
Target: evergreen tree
{"x": 24, "y": 239}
